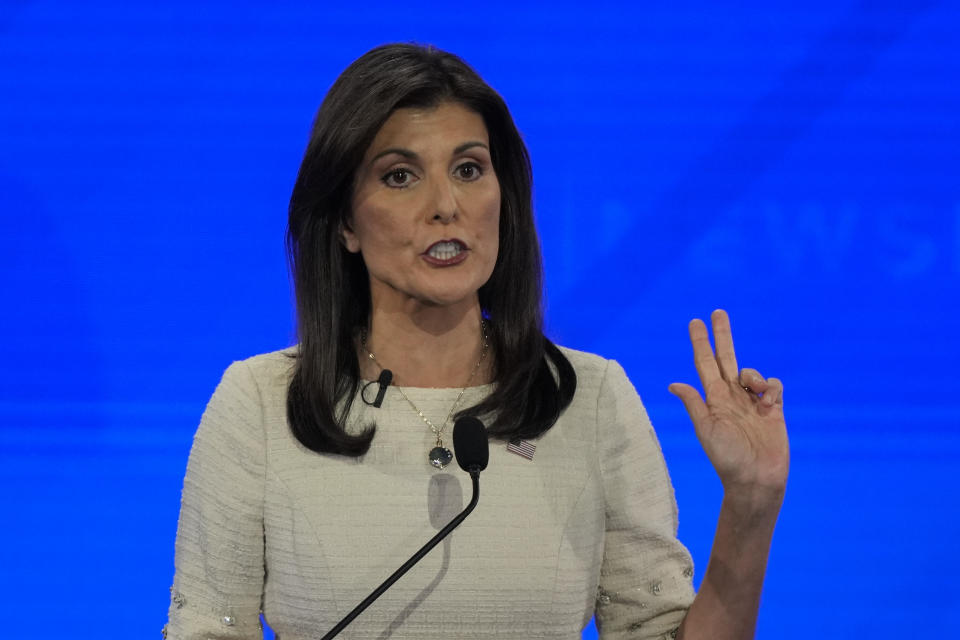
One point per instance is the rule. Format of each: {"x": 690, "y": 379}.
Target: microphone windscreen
{"x": 470, "y": 444}
{"x": 386, "y": 376}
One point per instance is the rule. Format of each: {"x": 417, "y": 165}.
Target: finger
{"x": 770, "y": 389}
{"x": 703, "y": 357}
{"x": 751, "y": 380}
{"x": 723, "y": 340}
{"x": 691, "y": 401}
{"x": 774, "y": 394}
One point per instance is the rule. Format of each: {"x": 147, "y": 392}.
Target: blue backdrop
{"x": 795, "y": 163}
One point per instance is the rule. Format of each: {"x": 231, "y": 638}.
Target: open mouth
{"x": 446, "y": 249}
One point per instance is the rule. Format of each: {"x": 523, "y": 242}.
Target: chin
{"x": 450, "y": 298}
{"x": 451, "y": 301}
{"x": 451, "y": 293}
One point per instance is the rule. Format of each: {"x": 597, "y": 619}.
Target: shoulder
{"x": 266, "y": 369}
{"x": 279, "y": 361}
{"x": 252, "y": 382}
{"x": 593, "y": 371}
{"x": 583, "y": 359}
{"x": 605, "y": 391}
{"x": 250, "y": 392}
{"x": 587, "y": 365}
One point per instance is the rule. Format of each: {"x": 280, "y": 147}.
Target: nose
{"x": 445, "y": 207}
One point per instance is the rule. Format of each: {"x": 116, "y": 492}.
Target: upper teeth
{"x": 444, "y": 250}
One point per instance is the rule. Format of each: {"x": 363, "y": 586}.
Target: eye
{"x": 398, "y": 178}
{"x": 469, "y": 171}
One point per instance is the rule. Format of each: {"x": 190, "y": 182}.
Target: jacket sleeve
{"x": 646, "y": 576}
{"x": 219, "y": 561}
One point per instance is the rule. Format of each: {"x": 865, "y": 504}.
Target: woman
{"x": 413, "y": 249}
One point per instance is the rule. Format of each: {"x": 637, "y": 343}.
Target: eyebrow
{"x": 407, "y": 153}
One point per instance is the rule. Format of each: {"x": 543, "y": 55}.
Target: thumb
{"x": 691, "y": 401}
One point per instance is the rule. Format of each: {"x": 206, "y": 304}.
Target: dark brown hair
{"x": 534, "y": 382}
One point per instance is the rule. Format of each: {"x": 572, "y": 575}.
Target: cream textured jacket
{"x": 587, "y": 526}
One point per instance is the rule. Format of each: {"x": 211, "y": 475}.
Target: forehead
{"x": 438, "y": 128}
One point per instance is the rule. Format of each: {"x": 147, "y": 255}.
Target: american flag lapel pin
{"x": 522, "y": 448}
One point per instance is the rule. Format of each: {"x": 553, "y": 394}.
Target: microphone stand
{"x": 396, "y": 575}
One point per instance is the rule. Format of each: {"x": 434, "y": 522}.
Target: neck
{"x": 433, "y": 347}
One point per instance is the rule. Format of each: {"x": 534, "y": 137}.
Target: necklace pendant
{"x": 440, "y": 457}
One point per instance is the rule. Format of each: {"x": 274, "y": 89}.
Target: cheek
{"x": 488, "y": 205}
{"x": 379, "y": 229}
{"x": 493, "y": 219}
{"x": 491, "y": 230}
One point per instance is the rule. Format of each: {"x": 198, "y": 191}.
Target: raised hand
{"x": 740, "y": 425}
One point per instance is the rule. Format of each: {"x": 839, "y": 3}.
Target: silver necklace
{"x": 439, "y": 456}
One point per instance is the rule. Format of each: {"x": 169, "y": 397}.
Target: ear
{"x": 348, "y": 238}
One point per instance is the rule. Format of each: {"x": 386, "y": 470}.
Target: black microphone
{"x": 470, "y": 443}
{"x": 383, "y": 381}
{"x": 473, "y": 453}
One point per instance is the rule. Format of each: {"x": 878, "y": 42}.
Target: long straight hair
{"x": 533, "y": 381}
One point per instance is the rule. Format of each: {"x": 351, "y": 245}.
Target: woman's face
{"x": 426, "y": 208}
